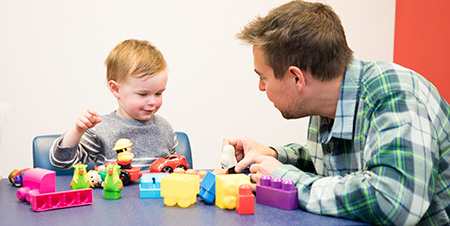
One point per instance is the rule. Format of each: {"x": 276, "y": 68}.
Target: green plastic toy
{"x": 80, "y": 178}
{"x": 113, "y": 184}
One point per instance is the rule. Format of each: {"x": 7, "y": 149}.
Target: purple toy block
{"x": 277, "y": 193}
{"x": 63, "y": 199}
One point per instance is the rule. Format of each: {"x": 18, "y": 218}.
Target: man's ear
{"x": 297, "y": 76}
{"x": 114, "y": 88}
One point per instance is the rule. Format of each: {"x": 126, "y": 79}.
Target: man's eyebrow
{"x": 257, "y": 72}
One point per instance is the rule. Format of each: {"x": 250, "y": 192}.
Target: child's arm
{"x": 86, "y": 120}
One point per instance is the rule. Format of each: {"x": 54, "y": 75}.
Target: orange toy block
{"x": 245, "y": 203}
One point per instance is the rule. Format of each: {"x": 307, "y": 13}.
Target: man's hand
{"x": 264, "y": 165}
{"x": 246, "y": 150}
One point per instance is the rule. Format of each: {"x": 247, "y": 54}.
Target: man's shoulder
{"x": 380, "y": 77}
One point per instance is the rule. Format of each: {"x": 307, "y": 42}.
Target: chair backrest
{"x": 184, "y": 147}
{"x": 41, "y": 149}
{"x": 42, "y": 145}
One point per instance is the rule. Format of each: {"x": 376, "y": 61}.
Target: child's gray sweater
{"x": 151, "y": 140}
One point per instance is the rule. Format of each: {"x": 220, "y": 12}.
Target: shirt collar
{"x": 346, "y": 107}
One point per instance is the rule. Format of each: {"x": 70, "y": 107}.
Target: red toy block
{"x": 63, "y": 199}
{"x": 277, "y": 193}
{"x": 245, "y": 203}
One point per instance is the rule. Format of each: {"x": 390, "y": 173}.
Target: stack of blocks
{"x": 39, "y": 190}
{"x": 150, "y": 186}
{"x": 227, "y": 189}
{"x": 277, "y": 193}
{"x": 181, "y": 189}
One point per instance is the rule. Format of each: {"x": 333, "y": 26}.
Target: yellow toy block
{"x": 227, "y": 188}
{"x": 181, "y": 189}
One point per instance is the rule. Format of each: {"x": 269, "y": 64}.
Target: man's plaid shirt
{"x": 384, "y": 159}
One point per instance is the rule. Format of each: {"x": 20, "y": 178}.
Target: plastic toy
{"x": 113, "y": 184}
{"x": 245, "y": 203}
{"x": 80, "y": 178}
{"x": 208, "y": 188}
{"x": 228, "y": 158}
{"x": 59, "y": 200}
{"x": 181, "y": 189}
{"x": 277, "y": 193}
{"x": 36, "y": 181}
{"x": 15, "y": 177}
{"x": 95, "y": 179}
{"x": 124, "y": 155}
{"x": 150, "y": 186}
{"x": 227, "y": 189}
{"x": 168, "y": 163}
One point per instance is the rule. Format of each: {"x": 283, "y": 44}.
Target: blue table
{"x": 131, "y": 210}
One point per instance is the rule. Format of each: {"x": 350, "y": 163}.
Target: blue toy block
{"x": 150, "y": 186}
{"x": 208, "y": 188}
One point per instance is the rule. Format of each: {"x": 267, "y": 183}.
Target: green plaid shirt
{"x": 384, "y": 159}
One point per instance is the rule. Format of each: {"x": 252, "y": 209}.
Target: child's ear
{"x": 114, "y": 88}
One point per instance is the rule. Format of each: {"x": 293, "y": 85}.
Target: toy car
{"x": 168, "y": 163}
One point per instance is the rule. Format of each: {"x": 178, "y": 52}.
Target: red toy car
{"x": 168, "y": 163}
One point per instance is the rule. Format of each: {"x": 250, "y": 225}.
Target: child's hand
{"x": 86, "y": 120}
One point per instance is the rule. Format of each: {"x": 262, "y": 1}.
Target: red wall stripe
{"x": 422, "y": 40}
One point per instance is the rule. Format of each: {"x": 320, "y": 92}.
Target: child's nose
{"x": 151, "y": 100}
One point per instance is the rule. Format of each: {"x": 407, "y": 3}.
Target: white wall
{"x": 52, "y": 54}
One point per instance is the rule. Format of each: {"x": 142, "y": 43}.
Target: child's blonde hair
{"x": 137, "y": 58}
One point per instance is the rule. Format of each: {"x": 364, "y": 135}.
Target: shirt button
{"x": 328, "y": 150}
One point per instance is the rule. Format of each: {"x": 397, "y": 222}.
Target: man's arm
{"x": 397, "y": 183}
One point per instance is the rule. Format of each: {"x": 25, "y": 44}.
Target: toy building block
{"x": 60, "y": 200}
{"x": 113, "y": 184}
{"x": 181, "y": 189}
{"x": 208, "y": 188}
{"x": 245, "y": 203}
{"x": 36, "y": 181}
{"x": 80, "y": 178}
{"x": 228, "y": 158}
{"x": 227, "y": 189}
{"x": 277, "y": 193}
{"x": 150, "y": 186}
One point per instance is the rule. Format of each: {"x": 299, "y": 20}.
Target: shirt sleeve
{"x": 395, "y": 186}
{"x": 85, "y": 151}
{"x": 297, "y": 155}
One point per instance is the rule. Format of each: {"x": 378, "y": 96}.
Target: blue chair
{"x": 42, "y": 145}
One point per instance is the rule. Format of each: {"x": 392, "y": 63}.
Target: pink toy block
{"x": 36, "y": 181}
{"x": 60, "y": 200}
{"x": 277, "y": 193}
{"x": 245, "y": 203}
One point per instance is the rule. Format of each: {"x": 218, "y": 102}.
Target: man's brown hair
{"x": 303, "y": 34}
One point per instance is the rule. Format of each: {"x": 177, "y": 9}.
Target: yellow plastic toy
{"x": 227, "y": 188}
{"x": 124, "y": 155}
{"x": 181, "y": 189}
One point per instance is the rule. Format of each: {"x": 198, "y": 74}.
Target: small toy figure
{"x": 124, "y": 155}
{"x": 80, "y": 178}
{"x": 95, "y": 179}
{"x": 15, "y": 177}
{"x": 228, "y": 158}
{"x": 113, "y": 184}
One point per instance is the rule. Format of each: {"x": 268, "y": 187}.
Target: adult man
{"x": 378, "y": 145}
